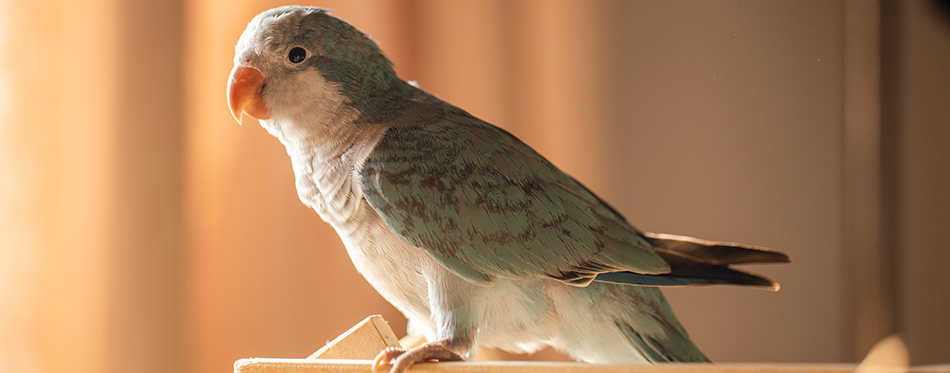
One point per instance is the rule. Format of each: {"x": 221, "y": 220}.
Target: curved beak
{"x": 244, "y": 93}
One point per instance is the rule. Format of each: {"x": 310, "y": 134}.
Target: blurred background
{"x": 141, "y": 229}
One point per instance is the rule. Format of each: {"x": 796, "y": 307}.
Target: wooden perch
{"x": 354, "y": 350}
{"x": 363, "y": 341}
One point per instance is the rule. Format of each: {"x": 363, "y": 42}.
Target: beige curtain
{"x": 58, "y": 136}
{"x": 141, "y": 229}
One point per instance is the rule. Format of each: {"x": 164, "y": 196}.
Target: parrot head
{"x": 296, "y": 61}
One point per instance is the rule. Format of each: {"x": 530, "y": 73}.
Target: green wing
{"x": 486, "y": 205}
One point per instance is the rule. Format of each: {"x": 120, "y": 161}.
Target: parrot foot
{"x": 401, "y": 358}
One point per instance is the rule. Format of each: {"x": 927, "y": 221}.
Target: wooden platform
{"x": 354, "y": 350}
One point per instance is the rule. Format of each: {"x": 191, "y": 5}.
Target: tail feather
{"x": 712, "y": 252}
{"x": 651, "y": 329}
{"x": 690, "y": 275}
{"x": 700, "y": 262}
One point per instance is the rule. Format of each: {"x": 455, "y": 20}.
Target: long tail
{"x": 651, "y": 327}
{"x": 699, "y": 262}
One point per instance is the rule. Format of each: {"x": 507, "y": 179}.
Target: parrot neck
{"x": 379, "y": 98}
{"x": 324, "y": 169}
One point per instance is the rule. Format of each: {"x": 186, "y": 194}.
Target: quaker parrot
{"x": 468, "y": 231}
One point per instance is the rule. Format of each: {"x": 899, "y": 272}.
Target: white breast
{"x": 328, "y": 182}
{"x": 327, "y": 175}
{"x": 393, "y": 267}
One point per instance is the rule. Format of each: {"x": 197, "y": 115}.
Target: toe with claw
{"x": 401, "y": 358}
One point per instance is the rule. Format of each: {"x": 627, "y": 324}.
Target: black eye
{"x": 297, "y": 54}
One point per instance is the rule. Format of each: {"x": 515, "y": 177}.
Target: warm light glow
{"x": 139, "y": 225}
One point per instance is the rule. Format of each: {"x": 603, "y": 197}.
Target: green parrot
{"x": 474, "y": 236}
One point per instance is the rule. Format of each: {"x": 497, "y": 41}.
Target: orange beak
{"x": 244, "y": 93}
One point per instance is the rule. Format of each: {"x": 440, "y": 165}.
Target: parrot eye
{"x": 297, "y": 54}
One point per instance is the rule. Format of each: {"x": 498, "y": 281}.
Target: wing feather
{"x": 486, "y": 205}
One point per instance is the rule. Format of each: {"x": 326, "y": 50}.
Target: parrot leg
{"x": 451, "y": 310}
{"x": 401, "y": 358}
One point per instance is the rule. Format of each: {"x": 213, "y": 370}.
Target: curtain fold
{"x": 58, "y": 141}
